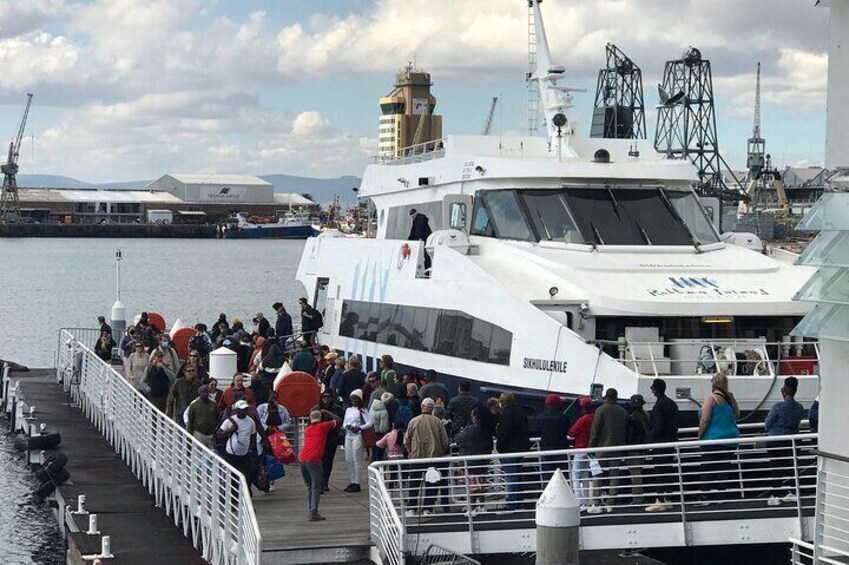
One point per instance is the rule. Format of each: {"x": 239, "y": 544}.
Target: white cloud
{"x": 152, "y": 85}
{"x": 308, "y": 123}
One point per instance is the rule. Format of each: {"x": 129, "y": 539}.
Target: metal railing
{"x": 831, "y": 531}
{"x": 744, "y": 478}
{"x": 387, "y": 529}
{"x": 734, "y": 357}
{"x": 803, "y": 553}
{"x": 207, "y": 498}
{"x": 418, "y": 153}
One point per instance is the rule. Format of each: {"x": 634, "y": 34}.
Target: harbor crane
{"x": 10, "y": 206}
{"x": 487, "y": 127}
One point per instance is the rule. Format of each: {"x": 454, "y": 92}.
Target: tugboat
{"x": 559, "y": 264}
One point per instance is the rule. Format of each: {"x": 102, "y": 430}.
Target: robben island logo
{"x": 702, "y": 287}
{"x": 693, "y": 282}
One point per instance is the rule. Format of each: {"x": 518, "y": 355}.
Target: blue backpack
{"x": 405, "y": 413}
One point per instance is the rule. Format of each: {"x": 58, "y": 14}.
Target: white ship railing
{"x": 427, "y": 151}
{"x": 387, "y": 529}
{"x": 734, "y": 357}
{"x": 830, "y": 545}
{"x": 737, "y": 477}
{"x": 207, "y": 498}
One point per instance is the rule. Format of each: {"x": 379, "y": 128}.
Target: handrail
{"x": 387, "y": 529}
{"x": 680, "y": 482}
{"x": 206, "y": 496}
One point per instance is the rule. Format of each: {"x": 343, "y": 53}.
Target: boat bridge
{"x": 752, "y": 490}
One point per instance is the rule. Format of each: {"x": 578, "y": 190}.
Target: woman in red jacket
{"x": 580, "y": 431}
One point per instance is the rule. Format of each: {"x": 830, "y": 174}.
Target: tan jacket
{"x": 426, "y": 437}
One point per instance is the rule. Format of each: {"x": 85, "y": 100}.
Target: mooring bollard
{"x": 558, "y": 519}
{"x": 80, "y": 505}
{"x": 106, "y": 548}
{"x": 92, "y": 525}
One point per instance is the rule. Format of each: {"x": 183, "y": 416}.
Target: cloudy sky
{"x": 131, "y": 89}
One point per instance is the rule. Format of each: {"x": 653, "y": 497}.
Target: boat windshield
{"x": 595, "y": 216}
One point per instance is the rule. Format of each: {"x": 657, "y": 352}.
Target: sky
{"x": 133, "y": 89}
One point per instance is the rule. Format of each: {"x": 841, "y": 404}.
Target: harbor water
{"x": 55, "y": 283}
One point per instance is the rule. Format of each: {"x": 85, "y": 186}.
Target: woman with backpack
{"x": 357, "y": 419}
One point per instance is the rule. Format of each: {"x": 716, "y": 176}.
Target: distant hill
{"x": 323, "y": 191}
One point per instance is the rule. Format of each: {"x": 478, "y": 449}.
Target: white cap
{"x": 241, "y": 405}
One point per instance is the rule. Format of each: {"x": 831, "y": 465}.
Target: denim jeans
{"x": 312, "y": 473}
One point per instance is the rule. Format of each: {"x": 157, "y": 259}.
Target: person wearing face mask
{"x": 169, "y": 354}
{"x": 235, "y": 392}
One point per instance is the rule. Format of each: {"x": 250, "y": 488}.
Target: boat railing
{"x": 208, "y": 499}
{"x": 427, "y": 151}
{"x": 747, "y": 429}
{"x": 734, "y": 357}
{"x": 829, "y": 543}
{"x": 743, "y": 478}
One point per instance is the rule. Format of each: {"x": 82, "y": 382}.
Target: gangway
{"x": 750, "y": 490}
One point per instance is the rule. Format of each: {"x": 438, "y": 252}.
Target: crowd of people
{"x": 391, "y": 415}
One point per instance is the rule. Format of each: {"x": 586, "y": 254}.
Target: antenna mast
{"x": 533, "y": 87}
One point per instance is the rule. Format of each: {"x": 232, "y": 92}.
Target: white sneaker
{"x": 410, "y": 513}
{"x": 607, "y": 509}
{"x": 790, "y": 499}
{"x": 427, "y": 513}
{"x": 773, "y": 501}
{"x": 594, "y": 509}
{"x": 585, "y": 508}
{"x": 659, "y": 506}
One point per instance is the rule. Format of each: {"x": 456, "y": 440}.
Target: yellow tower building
{"x": 402, "y": 109}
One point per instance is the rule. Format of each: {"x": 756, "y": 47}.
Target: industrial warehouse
{"x": 172, "y": 198}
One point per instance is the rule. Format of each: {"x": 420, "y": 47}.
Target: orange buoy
{"x": 298, "y": 392}
{"x": 180, "y": 340}
{"x": 156, "y": 320}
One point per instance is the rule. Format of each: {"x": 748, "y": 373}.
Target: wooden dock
{"x": 140, "y": 532}
{"x": 289, "y": 537}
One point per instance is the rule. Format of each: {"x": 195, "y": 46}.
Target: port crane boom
{"x": 10, "y": 206}
{"x": 487, "y": 126}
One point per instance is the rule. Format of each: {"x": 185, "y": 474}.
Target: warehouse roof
{"x": 82, "y": 195}
{"x": 193, "y": 178}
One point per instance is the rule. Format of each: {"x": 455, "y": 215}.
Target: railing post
{"x": 469, "y": 518}
{"x": 798, "y": 489}
{"x": 681, "y": 498}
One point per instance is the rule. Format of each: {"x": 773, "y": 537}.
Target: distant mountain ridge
{"x": 322, "y": 191}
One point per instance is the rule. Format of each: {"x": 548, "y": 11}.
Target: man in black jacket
{"x": 459, "y": 409}
{"x": 352, "y": 379}
{"x": 420, "y": 231}
{"x": 311, "y": 321}
{"x": 283, "y": 324}
{"x": 663, "y": 427}
{"x": 512, "y": 437}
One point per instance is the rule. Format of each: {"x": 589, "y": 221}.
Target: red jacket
{"x": 228, "y": 398}
{"x": 580, "y": 430}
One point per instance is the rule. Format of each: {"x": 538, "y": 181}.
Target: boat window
{"x": 627, "y": 216}
{"x": 457, "y": 215}
{"x": 481, "y": 224}
{"x": 506, "y": 215}
{"x": 550, "y": 216}
{"x": 690, "y": 210}
{"x": 320, "y": 300}
{"x": 445, "y": 332}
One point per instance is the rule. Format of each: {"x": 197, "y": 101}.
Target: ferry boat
{"x": 286, "y": 227}
{"x": 560, "y": 264}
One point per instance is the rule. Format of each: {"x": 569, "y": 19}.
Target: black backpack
{"x": 319, "y": 319}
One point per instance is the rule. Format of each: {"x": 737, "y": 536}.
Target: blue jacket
{"x": 784, "y": 417}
